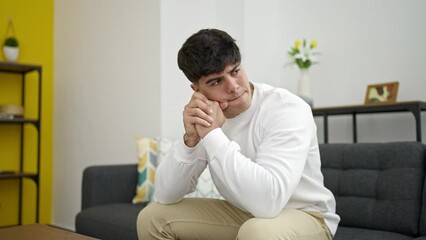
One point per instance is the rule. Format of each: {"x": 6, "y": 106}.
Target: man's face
{"x": 230, "y": 88}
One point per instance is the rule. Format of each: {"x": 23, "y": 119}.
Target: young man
{"x": 261, "y": 148}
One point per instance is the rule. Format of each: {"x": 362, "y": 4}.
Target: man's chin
{"x": 231, "y": 112}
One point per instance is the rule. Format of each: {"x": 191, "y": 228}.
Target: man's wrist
{"x": 214, "y": 141}
{"x": 190, "y": 142}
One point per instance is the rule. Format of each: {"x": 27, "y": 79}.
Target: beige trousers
{"x": 205, "y": 219}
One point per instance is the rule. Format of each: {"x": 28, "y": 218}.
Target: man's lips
{"x": 233, "y": 99}
{"x": 224, "y": 105}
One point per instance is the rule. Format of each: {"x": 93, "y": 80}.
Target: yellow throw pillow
{"x": 147, "y": 156}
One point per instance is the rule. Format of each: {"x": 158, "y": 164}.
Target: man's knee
{"x": 252, "y": 229}
{"x": 150, "y": 221}
{"x": 291, "y": 224}
{"x": 262, "y": 229}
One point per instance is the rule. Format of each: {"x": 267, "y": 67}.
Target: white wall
{"x": 179, "y": 20}
{"x": 107, "y": 90}
{"x": 362, "y": 43}
{"x": 106, "y": 94}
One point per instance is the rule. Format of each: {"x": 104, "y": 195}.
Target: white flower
{"x": 303, "y": 55}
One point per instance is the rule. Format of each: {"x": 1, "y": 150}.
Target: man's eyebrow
{"x": 235, "y": 67}
{"x": 220, "y": 77}
{"x": 213, "y": 79}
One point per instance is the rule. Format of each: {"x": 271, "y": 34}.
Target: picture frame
{"x": 382, "y": 93}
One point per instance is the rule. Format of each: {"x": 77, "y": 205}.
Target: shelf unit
{"x": 23, "y": 70}
{"x": 415, "y": 107}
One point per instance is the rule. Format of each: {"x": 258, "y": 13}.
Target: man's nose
{"x": 232, "y": 84}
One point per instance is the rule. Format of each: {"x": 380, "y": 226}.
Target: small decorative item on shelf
{"x": 303, "y": 55}
{"x": 11, "y": 111}
{"x": 11, "y": 45}
{"x": 381, "y": 93}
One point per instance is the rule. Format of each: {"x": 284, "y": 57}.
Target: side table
{"x": 415, "y": 107}
{"x": 39, "y": 232}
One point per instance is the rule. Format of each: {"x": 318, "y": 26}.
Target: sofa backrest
{"x": 108, "y": 184}
{"x": 423, "y": 212}
{"x": 376, "y": 185}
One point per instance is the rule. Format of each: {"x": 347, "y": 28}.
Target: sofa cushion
{"x": 348, "y": 233}
{"x": 376, "y": 185}
{"x": 109, "y": 221}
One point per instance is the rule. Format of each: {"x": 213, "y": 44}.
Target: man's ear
{"x": 194, "y": 87}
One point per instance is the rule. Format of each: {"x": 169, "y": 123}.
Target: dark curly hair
{"x": 207, "y": 51}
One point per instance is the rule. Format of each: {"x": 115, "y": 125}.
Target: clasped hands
{"x": 201, "y": 116}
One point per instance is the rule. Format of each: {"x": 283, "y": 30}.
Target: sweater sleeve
{"x": 263, "y": 185}
{"x": 178, "y": 173}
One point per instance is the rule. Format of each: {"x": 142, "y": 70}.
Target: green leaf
{"x": 293, "y": 51}
{"x": 299, "y": 63}
{"x": 11, "y": 42}
{"x": 307, "y": 64}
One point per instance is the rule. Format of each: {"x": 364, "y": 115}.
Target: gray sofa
{"x": 379, "y": 188}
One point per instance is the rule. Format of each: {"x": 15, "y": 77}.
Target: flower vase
{"x": 304, "y": 88}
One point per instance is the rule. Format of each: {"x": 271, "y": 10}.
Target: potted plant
{"x": 11, "y": 49}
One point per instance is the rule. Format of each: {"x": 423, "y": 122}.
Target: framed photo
{"x": 382, "y": 93}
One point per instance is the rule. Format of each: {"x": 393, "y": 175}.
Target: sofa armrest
{"x": 108, "y": 184}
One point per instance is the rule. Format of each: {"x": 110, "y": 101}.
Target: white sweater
{"x": 262, "y": 161}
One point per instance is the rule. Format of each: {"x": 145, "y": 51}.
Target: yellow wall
{"x": 33, "y": 22}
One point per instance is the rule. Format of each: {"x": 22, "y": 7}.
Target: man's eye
{"x": 213, "y": 83}
{"x": 235, "y": 72}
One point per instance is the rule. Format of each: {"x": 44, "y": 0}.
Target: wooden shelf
{"x": 18, "y": 67}
{"x": 18, "y": 175}
{"x": 23, "y": 70}
{"x": 415, "y": 107}
{"x": 20, "y": 120}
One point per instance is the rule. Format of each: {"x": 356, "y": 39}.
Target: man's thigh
{"x": 289, "y": 224}
{"x": 191, "y": 218}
